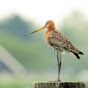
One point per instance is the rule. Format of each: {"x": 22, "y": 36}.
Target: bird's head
{"x": 49, "y": 24}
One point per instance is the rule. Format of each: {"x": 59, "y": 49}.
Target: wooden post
{"x": 59, "y": 85}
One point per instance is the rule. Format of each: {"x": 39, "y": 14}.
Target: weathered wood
{"x": 59, "y": 85}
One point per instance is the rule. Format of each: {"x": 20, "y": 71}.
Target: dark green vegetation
{"x": 31, "y": 50}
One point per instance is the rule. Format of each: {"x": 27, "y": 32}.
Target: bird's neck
{"x": 47, "y": 32}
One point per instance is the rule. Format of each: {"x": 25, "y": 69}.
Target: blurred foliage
{"x": 15, "y": 37}
{"x": 16, "y": 27}
{"x": 31, "y": 50}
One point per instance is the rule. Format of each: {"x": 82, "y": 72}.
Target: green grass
{"x": 22, "y": 82}
{"x": 16, "y": 84}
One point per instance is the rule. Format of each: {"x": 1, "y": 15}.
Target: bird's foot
{"x": 58, "y": 80}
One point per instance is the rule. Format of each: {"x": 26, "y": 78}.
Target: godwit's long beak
{"x": 38, "y": 30}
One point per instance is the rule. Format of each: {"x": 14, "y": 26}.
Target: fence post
{"x": 59, "y": 85}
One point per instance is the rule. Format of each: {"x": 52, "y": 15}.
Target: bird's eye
{"x": 47, "y": 22}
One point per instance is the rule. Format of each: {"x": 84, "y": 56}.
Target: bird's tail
{"x": 77, "y": 54}
{"x": 81, "y": 53}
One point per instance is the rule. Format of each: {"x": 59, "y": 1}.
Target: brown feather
{"x": 61, "y": 43}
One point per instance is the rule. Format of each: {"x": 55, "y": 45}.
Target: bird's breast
{"x": 47, "y": 34}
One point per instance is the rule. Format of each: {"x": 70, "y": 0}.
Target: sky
{"x": 42, "y": 10}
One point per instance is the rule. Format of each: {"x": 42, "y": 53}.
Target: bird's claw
{"x": 56, "y": 81}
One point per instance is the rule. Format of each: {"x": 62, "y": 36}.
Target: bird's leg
{"x": 58, "y": 67}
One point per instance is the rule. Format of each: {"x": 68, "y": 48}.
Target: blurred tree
{"x": 17, "y": 27}
{"x": 13, "y": 32}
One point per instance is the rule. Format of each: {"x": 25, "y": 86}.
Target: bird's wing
{"x": 57, "y": 39}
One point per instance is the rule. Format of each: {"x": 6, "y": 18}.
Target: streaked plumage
{"x": 59, "y": 42}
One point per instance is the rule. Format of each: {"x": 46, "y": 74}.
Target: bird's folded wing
{"x": 59, "y": 40}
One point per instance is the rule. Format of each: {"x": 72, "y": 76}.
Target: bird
{"x": 59, "y": 43}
